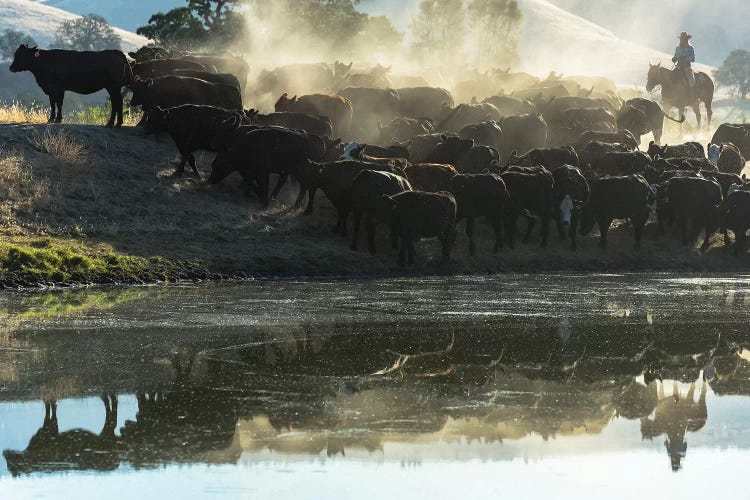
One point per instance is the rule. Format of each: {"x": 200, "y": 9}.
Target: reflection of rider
{"x": 684, "y": 56}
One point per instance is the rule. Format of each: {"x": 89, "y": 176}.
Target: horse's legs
{"x": 709, "y": 113}
{"x": 697, "y": 111}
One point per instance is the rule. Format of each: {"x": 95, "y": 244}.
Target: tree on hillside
{"x": 200, "y": 23}
{"x": 734, "y": 73}
{"x": 494, "y": 25}
{"x": 438, "y": 30}
{"x": 10, "y": 41}
{"x": 90, "y": 32}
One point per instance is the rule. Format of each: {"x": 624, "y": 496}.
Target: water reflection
{"x": 301, "y": 392}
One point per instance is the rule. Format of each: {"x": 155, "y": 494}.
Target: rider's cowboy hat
{"x": 684, "y": 34}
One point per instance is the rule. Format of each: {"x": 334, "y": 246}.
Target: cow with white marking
{"x": 570, "y": 193}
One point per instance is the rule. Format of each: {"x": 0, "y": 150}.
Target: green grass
{"x": 68, "y": 261}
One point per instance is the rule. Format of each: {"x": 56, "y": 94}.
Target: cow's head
{"x": 384, "y": 208}
{"x": 333, "y": 149}
{"x": 285, "y": 103}
{"x": 24, "y": 58}
{"x": 154, "y": 120}
{"x": 139, "y": 86}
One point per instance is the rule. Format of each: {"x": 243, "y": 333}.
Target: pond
{"x": 526, "y": 386}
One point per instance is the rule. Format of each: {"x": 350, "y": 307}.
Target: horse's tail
{"x": 708, "y": 90}
{"x": 667, "y": 116}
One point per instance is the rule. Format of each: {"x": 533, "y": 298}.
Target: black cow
{"x": 454, "y": 119}
{"x": 355, "y": 150}
{"x": 531, "y": 194}
{"x": 430, "y": 177}
{"x": 421, "y": 146}
{"x": 686, "y": 150}
{"x": 621, "y": 163}
{"x": 423, "y": 102}
{"x": 737, "y": 134}
{"x": 370, "y": 107}
{"x": 480, "y": 195}
{"x": 522, "y": 133}
{"x": 509, "y": 105}
{"x": 570, "y": 193}
{"x": 367, "y": 188}
{"x": 734, "y": 213}
{"x": 316, "y": 125}
{"x": 170, "y": 91}
{"x": 549, "y": 158}
{"x": 223, "y": 78}
{"x": 621, "y": 137}
{"x": 467, "y": 157}
{"x": 595, "y": 150}
{"x": 257, "y": 152}
{"x": 641, "y": 116}
{"x": 484, "y": 133}
{"x": 336, "y": 179}
{"x": 404, "y": 128}
{"x": 624, "y": 197}
{"x": 81, "y": 72}
{"x": 697, "y": 199}
{"x": 193, "y": 127}
{"x": 164, "y": 67}
{"x": 416, "y": 214}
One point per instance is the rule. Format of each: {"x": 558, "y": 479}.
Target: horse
{"x": 676, "y": 94}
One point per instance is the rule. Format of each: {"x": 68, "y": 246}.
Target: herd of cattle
{"x": 412, "y": 158}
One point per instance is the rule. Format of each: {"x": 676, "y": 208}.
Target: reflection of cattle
{"x": 675, "y": 416}
{"x": 77, "y": 449}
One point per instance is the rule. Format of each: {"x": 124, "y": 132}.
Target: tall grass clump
{"x": 16, "y": 112}
{"x": 61, "y": 145}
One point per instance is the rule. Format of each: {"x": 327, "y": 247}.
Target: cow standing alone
{"x": 82, "y": 72}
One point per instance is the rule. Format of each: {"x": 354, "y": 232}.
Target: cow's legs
{"x": 603, "y": 230}
{"x": 402, "y": 250}
{"x": 410, "y": 249}
{"x": 355, "y": 229}
{"x": 530, "y": 223}
{"x": 470, "y": 234}
{"x": 60, "y": 98}
{"x": 573, "y": 230}
{"x": 545, "y": 231}
{"x": 110, "y": 123}
{"x": 52, "y": 105}
{"x": 310, "y": 199}
{"x": 279, "y": 184}
{"x": 697, "y": 111}
{"x": 497, "y": 225}
{"x": 638, "y": 224}
{"x": 370, "y": 223}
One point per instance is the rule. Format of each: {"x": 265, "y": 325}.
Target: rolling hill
{"x": 41, "y": 21}
{"x": 126, "y": 14}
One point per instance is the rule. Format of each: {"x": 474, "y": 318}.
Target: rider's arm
{"x": 691, "y": 54}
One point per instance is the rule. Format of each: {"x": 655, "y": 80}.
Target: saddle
{"x": 700, "y": 79}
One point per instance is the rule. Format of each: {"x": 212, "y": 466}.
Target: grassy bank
{"x": 85, "y": 204}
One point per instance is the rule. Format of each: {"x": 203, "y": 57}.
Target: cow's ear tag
{"x": 36, "y": 54}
